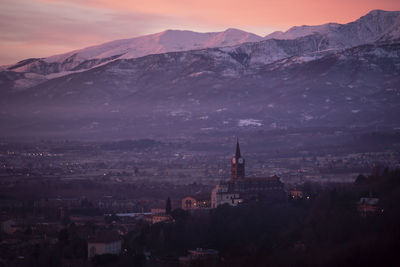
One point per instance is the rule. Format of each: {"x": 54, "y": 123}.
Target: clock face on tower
{"x": 240, "y": 160}
{"x": 233, "y": 160}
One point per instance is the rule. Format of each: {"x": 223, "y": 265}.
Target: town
{"x": 99, "y": 204}
{"x": 199, "y": 133}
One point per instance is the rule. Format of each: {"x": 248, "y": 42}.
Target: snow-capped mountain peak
{"x": 374, "y": 26}
{"x": 231, "y": 37}
{"x": 304, "y": 30}
{"x": 162, "y": 42}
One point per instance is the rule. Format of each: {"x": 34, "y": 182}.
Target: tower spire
{"x": 237, "y": 166}
{"x": 237, "y": 152}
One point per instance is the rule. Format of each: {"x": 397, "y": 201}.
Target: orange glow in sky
{"x": 40, "y": 28}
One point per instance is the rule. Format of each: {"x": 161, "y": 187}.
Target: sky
{"x": 41, "y": 28}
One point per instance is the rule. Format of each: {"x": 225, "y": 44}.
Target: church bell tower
{"x": 237, "y": 164}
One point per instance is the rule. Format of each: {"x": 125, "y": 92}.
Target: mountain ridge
{"x": 269, "y": 84}
{"x": 162, "y": 42}
{"x": 212, "y": 90}
{"x": 339, "y": 35}
{"x": 368, "y": 28}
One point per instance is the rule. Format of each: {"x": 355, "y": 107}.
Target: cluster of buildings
{"x": 238, "y": 189}
{"x": 108, "y": 239}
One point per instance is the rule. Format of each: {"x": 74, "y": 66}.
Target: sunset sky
{"x": 40, "y": 28}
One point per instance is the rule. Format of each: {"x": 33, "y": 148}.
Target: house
{"x": 104, "y": 243}
{"x": 8, "y": 226}
{"x": 296, "y": 194}
{"x": 368, "y": 206}
{"x": 155, "y": 211}
{"x": 160, "y": 215}
{"x": 161, "y": 218}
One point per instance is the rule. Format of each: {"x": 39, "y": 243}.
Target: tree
{"x": 66, "y": 221}
{"x": 179, "y": 215}
{"x": 63, "y": 236}
{"x": 111, "y": 218}
{"x": 28, "y": 231}
{"x": 361, "y": 179}
{"x": 168, "y": 207}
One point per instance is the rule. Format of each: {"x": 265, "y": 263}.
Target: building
{"x": 156, "y": 211}
{"x": 104, "y": 243}
{"x": 160, "y": 215}
{"x": 368, "y": 206}
{"x": 224, "y": 197}
{"x": 8, "y": 226}
{"x": 296, "y": 194}
{"x": 241, "y": 188}
{"x": 196, "y": 202}
{"x": 161, "y": 218}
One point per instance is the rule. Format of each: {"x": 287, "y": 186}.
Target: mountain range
{"x": 178, "y": 83}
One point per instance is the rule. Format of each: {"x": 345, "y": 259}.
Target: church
{"x": 242, "y": 189}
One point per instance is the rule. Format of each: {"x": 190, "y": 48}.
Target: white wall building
{"x": 106, "y": 243}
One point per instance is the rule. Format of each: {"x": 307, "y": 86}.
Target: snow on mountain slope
{"x": 94, "y": 56}
{"x": 300, "y": 31}
{"x": 232, "y": 37}
{"x": 377, "y": 25}
{"x": 166, "y": 41}
{"x": 247, "y": 54}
